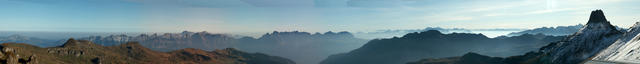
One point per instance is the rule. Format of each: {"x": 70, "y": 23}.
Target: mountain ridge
{"x": 84, "y": 52}
{"x": 434, "y": 44}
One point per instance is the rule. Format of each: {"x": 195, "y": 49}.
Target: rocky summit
{"x": 597, "y": 16}
{"x": 592, "y": 38}
{"x": 86, "y": 52}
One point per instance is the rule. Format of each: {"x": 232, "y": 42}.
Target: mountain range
{"x": 29, "y": 40}
{"x": 563, "y": 44}
{"x": 556, "y": 31}
{"x": 399, "y": 32}
{"x": 302, "y": 47}
{"x": 597, "y": 42}
{"x": 434, "y": 44}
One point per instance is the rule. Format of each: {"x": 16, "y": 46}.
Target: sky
{"x": 233, "y": 16}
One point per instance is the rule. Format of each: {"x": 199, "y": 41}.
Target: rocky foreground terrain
{"x": 86, "y": 52}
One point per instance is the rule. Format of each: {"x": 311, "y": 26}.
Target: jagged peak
{"x": 597, "y": 16}
{"x": 598, "y": 21}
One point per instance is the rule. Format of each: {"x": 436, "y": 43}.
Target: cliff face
{"x": 85, "y": 52}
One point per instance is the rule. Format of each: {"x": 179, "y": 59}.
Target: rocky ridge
{"x": 86, "y": 52}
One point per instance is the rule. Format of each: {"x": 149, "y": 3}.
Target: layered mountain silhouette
{"x": 302, "y": 47}
{"x": 434, "y": 44}
{"x": 556, "y": 31}
{"x": 86, "y": 52}
{"x": 589, "y": 45}
{"x": 395, "y": 33}
{"x": 170, "y": 41}
{"x": 29, "y": 40}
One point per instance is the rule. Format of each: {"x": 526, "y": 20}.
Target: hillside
{"x": 86, "y": 52}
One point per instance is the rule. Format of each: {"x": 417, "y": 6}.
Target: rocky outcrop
{"x": 597, "y": 16}
{"x": 11, "y": 55}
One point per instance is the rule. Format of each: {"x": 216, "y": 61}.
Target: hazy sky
{"x": 227, "y": 16}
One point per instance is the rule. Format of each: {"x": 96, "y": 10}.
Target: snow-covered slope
{"x": 596, "y": 35}
{"x": 626, "y": 49}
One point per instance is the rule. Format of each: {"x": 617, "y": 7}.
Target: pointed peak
{"x": 70, "y": 40}
{"x": 597, "y": 16}
{"x": 432, "y": 32}
{"x": 471, "y": 55}
{"x": 73, "y": 42}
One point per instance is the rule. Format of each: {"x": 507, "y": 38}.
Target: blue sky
{"x": 229, "y": 16}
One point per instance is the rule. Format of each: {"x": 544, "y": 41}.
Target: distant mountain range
{"x": 169, "y": 41}
{"x": 302, "y": 47}
{"x": 30, "y": 40}
{"x": 556, "y": 31}
{"x": 64, "y": 35}
{"x": 434, "y": 44}
{"x": 86, "y": 52}
{"x": 398, "y": 33}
